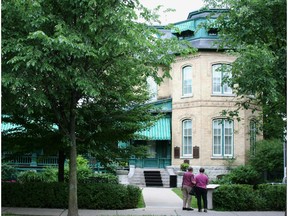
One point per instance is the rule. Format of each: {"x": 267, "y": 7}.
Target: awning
{"x": 7, "y": 126}
{"x": 161, "y": 130}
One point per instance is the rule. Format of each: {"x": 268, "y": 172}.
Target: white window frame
{"x": 223, "y": 131}
{"x": 187, "y": 150}
{"x": 219, "y": 88}
{"x": 187, "y": 81}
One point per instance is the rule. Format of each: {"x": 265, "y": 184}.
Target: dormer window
{"x": 185, "y": 34}
{"x": 213, "y": 32}
{"x": 184, "y": 30}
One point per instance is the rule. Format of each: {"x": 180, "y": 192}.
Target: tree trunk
{"x": 61, "y": 161}
{"x": 73, "y": 202}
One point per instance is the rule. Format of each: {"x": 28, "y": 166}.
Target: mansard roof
{"x": 199, "y": 29}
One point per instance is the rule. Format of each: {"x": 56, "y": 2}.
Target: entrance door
{"x": 151, "y": 161}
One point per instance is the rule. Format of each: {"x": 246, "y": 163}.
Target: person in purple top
{"x": 202, "y": 181}
{"x": 187, "y": 183}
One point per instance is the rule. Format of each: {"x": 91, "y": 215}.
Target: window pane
{"x": 222, "y": 138}
{"x": 187, "y": 80}
{"x": 216, "y": 79}
{"x": 187, "y": 138}
{"x": 228, "y": 143}
{"x": 219, "y": 76}
{"x": 217, "y": 137}
{"x": 226, "y": 88}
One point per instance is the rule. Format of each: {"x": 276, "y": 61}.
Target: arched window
{"x": 187, "y": 138}
{"x": 220, "y": 73}
{"x": 187, "y": 81}
{"x": 223, "y": 138}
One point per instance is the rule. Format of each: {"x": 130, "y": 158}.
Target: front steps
{"x": 139, "y": 178}
{"x": 153, "y": 178}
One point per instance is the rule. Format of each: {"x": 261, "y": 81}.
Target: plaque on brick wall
{"x": 176, "y": 152}
{"x": 187, "y": 161}
{"x": 196, "y": 153}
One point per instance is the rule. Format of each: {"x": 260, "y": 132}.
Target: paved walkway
{"x": 159, "y": 201}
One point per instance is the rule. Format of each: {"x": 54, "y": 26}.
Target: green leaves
{"x": 85, "y": 58}
{"x": 268, "y": 157}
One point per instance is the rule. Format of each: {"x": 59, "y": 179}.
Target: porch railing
{"x": 34, "y": 161}
{"x": 151, "y": 162}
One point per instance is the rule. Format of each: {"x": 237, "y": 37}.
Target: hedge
{"x": 55, "y": 195}
{"x": 236, "y": 197}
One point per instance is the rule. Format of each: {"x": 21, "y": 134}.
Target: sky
{"x": 182, "y": 7}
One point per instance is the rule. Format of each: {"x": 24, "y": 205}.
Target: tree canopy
{"x": 81, "y": 65}
{"x": 268, "y": 159}
{"x": 255, "y": 32}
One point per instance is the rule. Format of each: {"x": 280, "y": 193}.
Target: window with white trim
{"x": 223, "y": 138}
{"x": 187, "y": 138}
{"x": 219, "y": 75}
{"x": 187, "y": 81}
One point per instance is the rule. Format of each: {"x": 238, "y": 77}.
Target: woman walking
{"x": 187, "y": 184}
{"x": 201, "y": 192}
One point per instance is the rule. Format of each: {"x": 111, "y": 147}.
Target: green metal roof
{"x": 187, "y": 25}
{"x": 9, "y": 126}
{"x": 164, "y": 105}
{"x": 161, "y": 130}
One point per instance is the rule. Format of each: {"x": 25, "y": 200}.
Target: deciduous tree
{"x": 68, "y": 61}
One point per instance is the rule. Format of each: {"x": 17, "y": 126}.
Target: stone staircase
{"x": 153, "y": 178}
{"x": 138, "y": 178}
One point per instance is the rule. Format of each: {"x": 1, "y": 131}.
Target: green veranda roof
{"x": 161, "y": 130}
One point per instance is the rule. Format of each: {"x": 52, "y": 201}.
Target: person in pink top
{"x": 187, "y": 183}
{"x": 202, "y": 181}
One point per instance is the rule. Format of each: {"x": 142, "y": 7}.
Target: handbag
{"x": 193, "y": 191}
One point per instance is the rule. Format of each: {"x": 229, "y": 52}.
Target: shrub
{"x": 274, "y": 196}
{"x": 234, "y": 198}
{"x": 184, "y": 166}
{"x": 244, "y": 175}
{"x": 50, "y": 174}
{"x": 245, "y": 198}
{"x": 268, "y": 159}
{"x": 55, "y": 195}
{"x": 225, "y": 179}
{"x": 30, "y": 176}
{"x": 84, "y": 172}
{"x": 35, "y": 195}
{"x": 102, "y": 178}
{"x": 134, "y": 195}
{"x": 8, "y": 172}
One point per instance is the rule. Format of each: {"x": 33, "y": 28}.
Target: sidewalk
{"x": 159, "y": 201}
